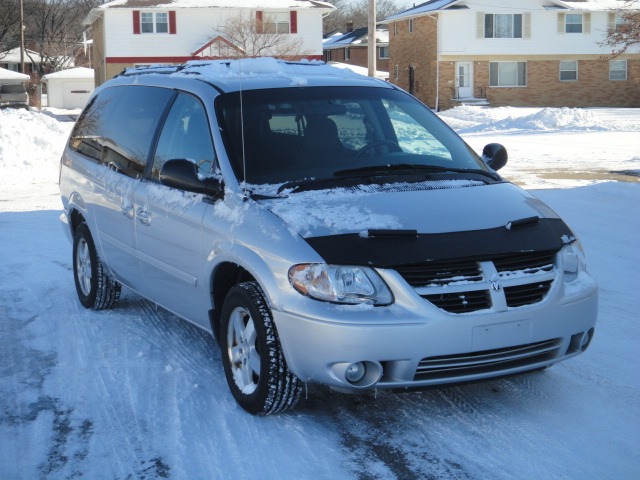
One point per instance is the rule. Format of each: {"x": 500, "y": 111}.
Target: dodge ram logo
{"x": 496, "y": 286}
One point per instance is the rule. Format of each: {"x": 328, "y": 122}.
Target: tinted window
{"x": 291, "y": 134}
{"x": 119, "y": 125}
{"x": 185, "y": 134}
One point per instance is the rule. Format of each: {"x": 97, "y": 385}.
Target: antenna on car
{"x": 244, "y": 162}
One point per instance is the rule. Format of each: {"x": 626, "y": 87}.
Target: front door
{"x": 464, "y": 82}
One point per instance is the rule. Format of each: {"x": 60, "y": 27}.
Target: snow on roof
{"x": 13, "y": 56}
{"x": 359, "y": 70}
{"x": 71, "y": 73}
{"x": 439, "y": 5}
{"x": 12, "y": 76}
{"x": 356, "y": 37}
{"x": 262, "y": 4}
{"x": 250, "y": 73}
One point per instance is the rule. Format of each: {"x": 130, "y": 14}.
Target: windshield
{"x": 315, "y": 133}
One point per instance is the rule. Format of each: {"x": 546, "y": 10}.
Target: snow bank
{"x": 31, "y": 144}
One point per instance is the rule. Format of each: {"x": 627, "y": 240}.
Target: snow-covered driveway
{"x": 135, "y": 393}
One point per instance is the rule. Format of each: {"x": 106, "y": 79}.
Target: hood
{"x": 392, "y": 225}
{"x": 427, "y": 207}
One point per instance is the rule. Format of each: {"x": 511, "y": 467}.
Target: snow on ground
{"x": 134, "y": 393}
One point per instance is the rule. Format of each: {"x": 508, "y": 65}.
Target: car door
{"x": 169, "y": 221}
{"x": 117, "y": 130}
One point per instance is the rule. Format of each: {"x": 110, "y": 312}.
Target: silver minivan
{"x": 324, "y": 226}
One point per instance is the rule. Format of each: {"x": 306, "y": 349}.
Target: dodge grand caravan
{"x": 323, "y": 226}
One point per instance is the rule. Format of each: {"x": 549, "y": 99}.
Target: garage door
{"x": 75, "y": 94}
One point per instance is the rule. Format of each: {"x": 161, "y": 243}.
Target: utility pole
{"x": 371, "y": 39}
{"x": 21, "y": 36}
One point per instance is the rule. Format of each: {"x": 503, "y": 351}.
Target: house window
{"x": 568, "y": 70}
{"x": 277, "y": 23}
{"x": 411, "y": 25}
{"x": 383, "y": 52}
{"x": 508, "y": 74}
{"x": 395, "y": 72}
{"x": 573, "y": 23}
{"x": 618, "y": 70}
{"x": 503, "y": 25}
{"x": 154, "y": 22}
{"x": 347, "y": 54}
{"x": 395, "y": 28}
{"x": 146, "y": 22}
{"x": 328, "y": 55}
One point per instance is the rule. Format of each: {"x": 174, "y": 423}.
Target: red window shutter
{"x": 293, "y": 18}
{"x": 136, "y": 22}
{"x": 172, "y": 22}
{"x": 259, "y": 28}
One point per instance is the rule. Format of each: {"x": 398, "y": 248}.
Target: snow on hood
{"x": 428, "y": 207}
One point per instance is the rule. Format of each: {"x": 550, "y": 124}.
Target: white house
{"x": 69, "y": 88}
{"x": 521, "y": 52}
{"x": 140, "y": 32}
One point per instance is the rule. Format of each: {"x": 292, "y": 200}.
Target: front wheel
{"x": 254, "y": 364}
{"x": 96, "y": 290}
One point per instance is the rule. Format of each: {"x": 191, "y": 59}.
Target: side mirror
{"x": 183, "y": 174}
{"x": 495, "y": 156}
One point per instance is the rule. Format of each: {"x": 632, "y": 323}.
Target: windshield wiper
{"x": 298, "y": 185}
{"x": 404, "y": 167}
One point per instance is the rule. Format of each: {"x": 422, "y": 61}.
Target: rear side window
{"x": 13, "y": 88}
{"x": 118, "y": 126}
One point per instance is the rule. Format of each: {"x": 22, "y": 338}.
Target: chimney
{"x": 349, "y": 27}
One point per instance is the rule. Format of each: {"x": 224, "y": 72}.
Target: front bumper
{"x": 414, "y": 344}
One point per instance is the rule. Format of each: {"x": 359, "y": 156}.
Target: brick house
{"x": 352, "y": 48}
{"x": 127, "y": 33}
{"x": 524, "y": 53}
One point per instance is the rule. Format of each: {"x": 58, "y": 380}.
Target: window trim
{"x": 396, "y": 72}
{"x": 492, "y": 33}
{"x": 526, "y": 75}
{"x": 626, "y": 70}
{"x": 561, "y": 70}
{"x": 567, "y": 23}
{"x": 380, "y": 49}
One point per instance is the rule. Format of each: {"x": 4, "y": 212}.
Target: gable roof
{"x": 432, "y": 6}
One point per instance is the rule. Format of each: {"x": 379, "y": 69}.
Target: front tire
{"x": 96, "y": 290}
{"x": 254, "y": 364}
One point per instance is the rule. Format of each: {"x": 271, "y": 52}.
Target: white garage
{"x": 69, "y": 89}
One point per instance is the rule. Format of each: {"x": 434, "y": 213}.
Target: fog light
{"x": 355, "y": 372}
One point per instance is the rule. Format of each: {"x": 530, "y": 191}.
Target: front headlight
{"x": 340, "y": 284}
{"x": 573, "y": 260}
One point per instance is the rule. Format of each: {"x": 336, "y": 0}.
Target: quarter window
{"x": 618, "y": 70}
{"x": 503, "y": 25}
{"x": 568, "y": 71}
{"x": 508, "y": 74}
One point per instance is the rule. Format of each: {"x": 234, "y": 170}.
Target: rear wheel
{"x": 96, "y": 290}
{"x": 254, "y": 365}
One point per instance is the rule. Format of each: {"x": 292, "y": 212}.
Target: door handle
{"x": 127, "y": 210}
{"x": 143, "y": 216}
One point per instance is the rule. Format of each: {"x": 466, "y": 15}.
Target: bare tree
{"x": 9, "y": 24}
{"x": 250, "y": 33}
{"x": 624, "y": 34}
{"x": 348, "y": 11}
{"x": 54, "y": 30}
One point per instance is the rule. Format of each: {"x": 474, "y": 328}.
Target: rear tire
{"x": 254, "y": 364}
{"x": 96, "y": 290}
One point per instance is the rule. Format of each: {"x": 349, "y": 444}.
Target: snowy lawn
{"x": 135, "y": 393}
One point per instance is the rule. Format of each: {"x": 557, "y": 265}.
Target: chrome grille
{"x": 527, "y": 294}
{"x": 471, "y": 285}
{"x": 451, "y": 366}
{"x": 462, "y": 302}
